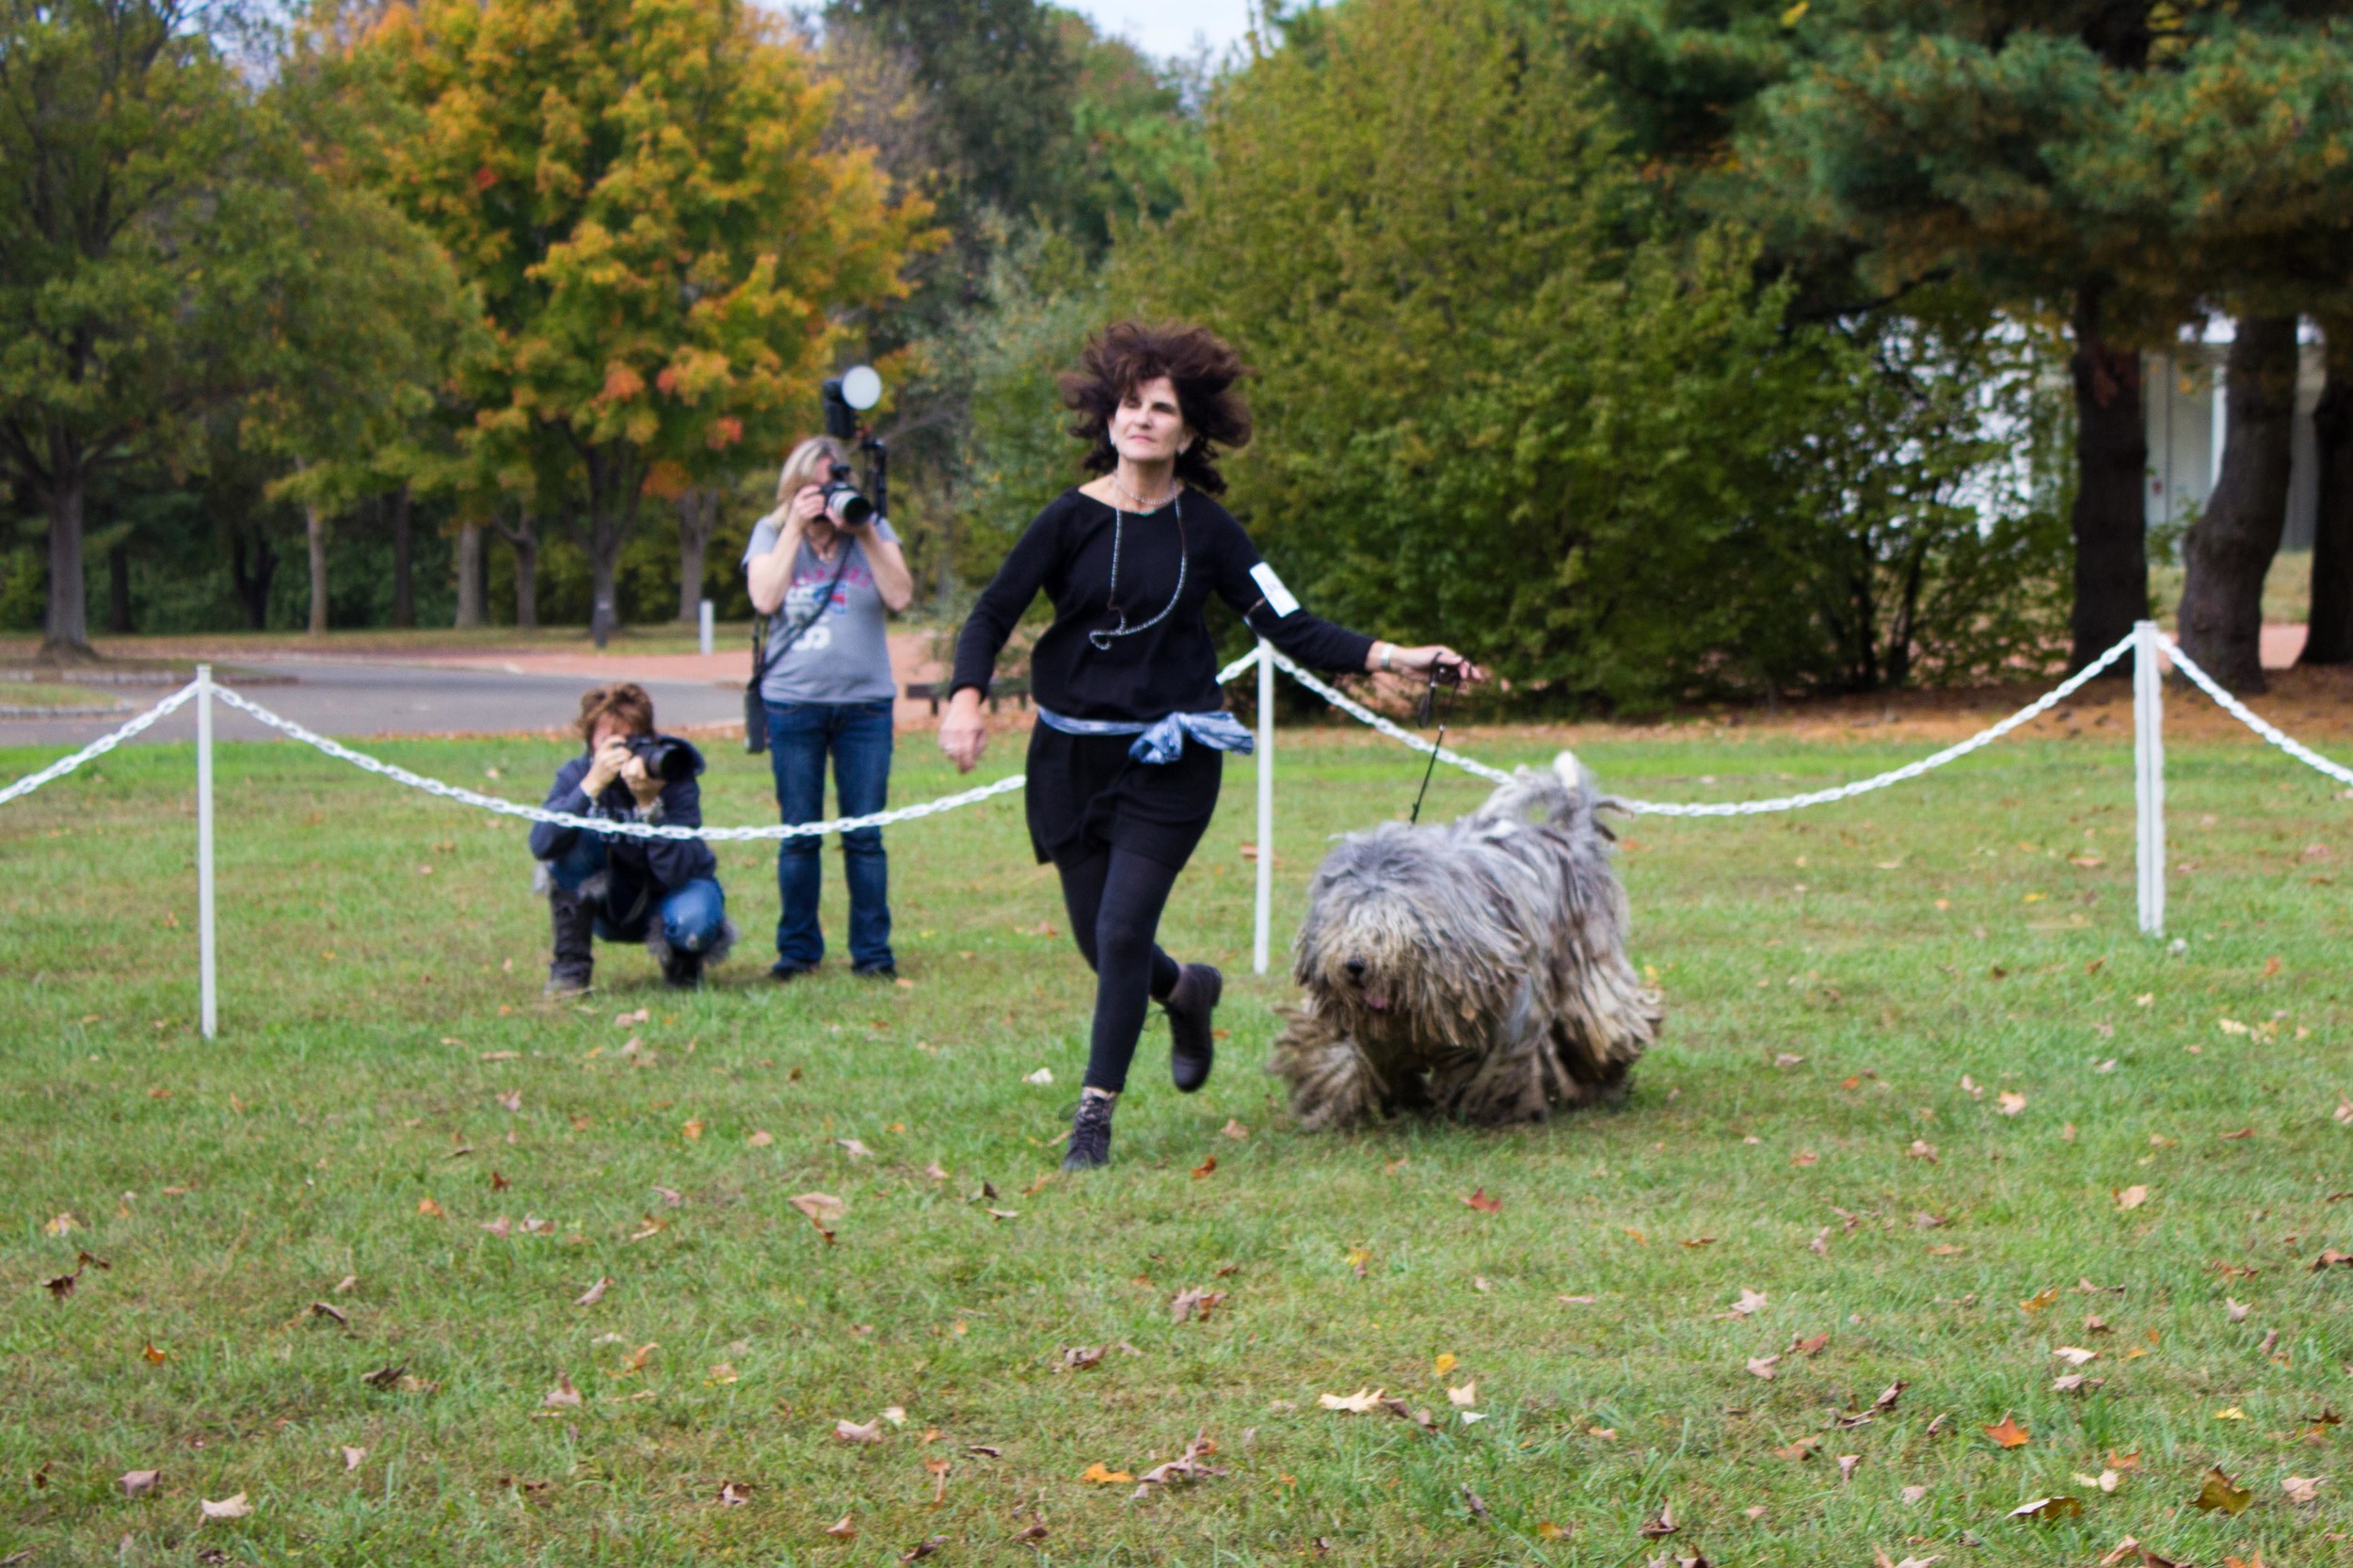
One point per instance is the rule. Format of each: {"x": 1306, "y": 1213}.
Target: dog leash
{"x": 1450, "y": 677}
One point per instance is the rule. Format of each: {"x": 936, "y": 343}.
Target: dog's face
{"x": 1394, "y": 938}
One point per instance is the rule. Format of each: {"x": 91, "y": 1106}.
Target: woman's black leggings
{"x": 1114, "y": 898}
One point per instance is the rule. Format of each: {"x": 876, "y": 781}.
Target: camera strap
{"x": 761, "y": 657}
{"x": 754, "y": 705}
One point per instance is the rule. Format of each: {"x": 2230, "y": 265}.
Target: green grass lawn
{"x": 51, "y": 694}
{"x": 1915, "y": 1053}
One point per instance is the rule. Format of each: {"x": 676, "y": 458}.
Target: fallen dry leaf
{"x": 734, "y": 1493}
{"x": 850, "y": 1432}
{"x": 1921, "y": 1149}
{"x": 2008, "y": 1433}
{"x": 562, "y": 1395}
{"x": 823, "y": 1209}
{"x": 1445, "y": 1364}
{"x": 1464, "y": 1396}
{"x": 842, "y": 1529}
{"x": 385, "y": 1377}
{"x": 595, "y": 1293}
{"x": 2010, "y": 1103}
{"x": 1099, "y": 1474}
{"x": 1762, "y": 1366}
{"x": 234, "y": 1507}
{"x": 1078, "y": 1358}
{"x": 2047, "y": 1509}
{"x": 1043, "y": 1078}
{"x": 1234, "y": 1130}
{"x": 936, "y": 1172}
{"x": 2236, "y": 1310}
{"x": 2075, "y": 1355}
{"x": 430, "y": 1209}
{"x": 1361, "y": 1402}
{"x": 930, "y": 1543}
{"x": 1186, "y": 1467}
{"x": 138, "y": 1483}
{"x": 1914, "y": 1493}
{"x": 1802, "y": 1449}
{"x": 854, "y": 1148}
{"x": 2303, "y": 1489}
{"x": 2217, "y": 1491}
{"x": 2106, "y": 1480}
{"x": 512, "y": 1099}
{"x": 1846, "y": 1464}
{"x": 1207, "y": 1167}
{"x": 1193, "y": 1301}
{"x": 2047, "y": 1296}
{"x": 1661, "y": 1524}
{"x": 353, "y": 1456}
{"x": 2131, "y": 1197}
{"x": 1750, "y": 1301}
{"x": 1486, "y": 1205}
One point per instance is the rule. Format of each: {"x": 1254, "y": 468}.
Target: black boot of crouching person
{"x": 1192, "y": 1009}
{"x": 683, "y": 963}
{"x": 571, "y": 970}
{"x": 1090, "y": 1146}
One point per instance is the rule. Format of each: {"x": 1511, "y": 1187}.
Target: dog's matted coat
{"x": 1477, "y": 969}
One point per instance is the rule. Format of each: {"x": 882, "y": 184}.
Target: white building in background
{"x": 2180, "y": 396}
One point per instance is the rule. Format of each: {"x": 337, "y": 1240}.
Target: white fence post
{"x": 1266, "y": 810}
{"x": 2149, "y": 776}
{"x": 208, "y": 1004}
{"x": 702, "y": 621}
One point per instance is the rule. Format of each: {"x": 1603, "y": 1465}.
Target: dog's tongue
{"x": 1377, "y": 1001}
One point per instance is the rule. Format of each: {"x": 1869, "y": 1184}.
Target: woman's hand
{"x": 641, "y": 784}
{"x": 606, "y": 765}
{"x": 963, "y": 733}
{"x": 808, "y": 505}
{"x": 1418, "y": 660}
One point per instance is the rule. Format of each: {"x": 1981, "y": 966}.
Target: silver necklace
{"x": 1142, "y": 504}
{"x": 1103, "y": 639}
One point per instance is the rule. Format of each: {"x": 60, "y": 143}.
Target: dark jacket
{"x": 668, "y": 864}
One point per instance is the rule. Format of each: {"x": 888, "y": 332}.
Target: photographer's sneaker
{"x": 1090, "y": 1146}
{"x": 1192, "y": 1009}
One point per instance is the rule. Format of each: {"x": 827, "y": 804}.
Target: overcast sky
{"x": 1169, "y": 29}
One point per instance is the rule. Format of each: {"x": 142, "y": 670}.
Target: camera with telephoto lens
{"x": 843, "y": 505}
{"x": 668, "y": 760}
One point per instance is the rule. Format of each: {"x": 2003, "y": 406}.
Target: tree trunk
{"x": 119, "y": 588}
{"x": 314, "y": 535}
{"x": 65, "y": 632}
{"x": 403, "y": 562}
{"x": 469, "y": 575}
{"x": 253, "y": 586}
{"x": 525, "y": 537}
{"x": 2329, "y": 628}
{"x": 698, "y": 516}
{"x": 614, "y": 478}
{"x": 2111, "y": 465}
{"x": 2230, "y": 547}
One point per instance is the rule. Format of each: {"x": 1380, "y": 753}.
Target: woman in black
{"x": 1125, "y": 758}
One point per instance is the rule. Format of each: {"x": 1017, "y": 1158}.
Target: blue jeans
{"x": 858, "y": 736}
{"x": 692, "y": 916}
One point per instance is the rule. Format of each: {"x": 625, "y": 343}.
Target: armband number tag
{"x": 1278, "y": 598}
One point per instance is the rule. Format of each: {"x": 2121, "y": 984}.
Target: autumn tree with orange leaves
{"x": 663, "y": 248}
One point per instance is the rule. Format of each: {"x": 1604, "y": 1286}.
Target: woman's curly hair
{"x": 1204, "y": 368}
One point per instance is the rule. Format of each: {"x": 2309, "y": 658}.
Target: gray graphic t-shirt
{"x": 844, "y": 656}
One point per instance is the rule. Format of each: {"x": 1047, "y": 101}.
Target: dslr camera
{"x": 668, "y": 760}
{"x": 843, "y": 503}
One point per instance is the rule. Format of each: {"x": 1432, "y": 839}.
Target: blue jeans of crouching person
{"x": 857, "y": 736}
{"x": 685, "y": 927}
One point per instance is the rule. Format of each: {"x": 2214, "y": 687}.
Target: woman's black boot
{"x": 1191, "y": 1007}
{"x": 1090, "y": 1132}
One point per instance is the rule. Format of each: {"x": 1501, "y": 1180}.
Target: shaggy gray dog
{"x": 1477, "y": 969}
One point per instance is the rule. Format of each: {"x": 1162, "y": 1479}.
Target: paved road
{"x": 343, "y": 698}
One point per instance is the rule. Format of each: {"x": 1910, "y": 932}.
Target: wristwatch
{"x": 1388, "y": 656}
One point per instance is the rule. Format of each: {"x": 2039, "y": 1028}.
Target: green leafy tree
{"x": 638, "y": 191}
{"x": 144, "y": 229}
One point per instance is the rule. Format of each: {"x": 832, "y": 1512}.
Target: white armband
{"x": 1278, "y": 598}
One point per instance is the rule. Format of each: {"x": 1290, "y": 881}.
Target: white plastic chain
{"x": 2036, "y": 709}
{"x": 2248, "y": 716}
{"x": 97, "y": 748}
{"x": 605, "y": 824}
{"x": 1362, "y": 714}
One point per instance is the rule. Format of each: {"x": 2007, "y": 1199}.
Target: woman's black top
{"x": 1085, "y": 791}
{"x": 1170, "y": 668}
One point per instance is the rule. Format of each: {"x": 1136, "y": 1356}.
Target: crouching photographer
{"x": 663, "y": 892}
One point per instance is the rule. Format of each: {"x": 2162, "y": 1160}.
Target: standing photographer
{"x": 825, "y": 566}
{"x": 663, "y": 892}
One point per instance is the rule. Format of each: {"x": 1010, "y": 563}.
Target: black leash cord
{"x": 1448, "y": 676}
